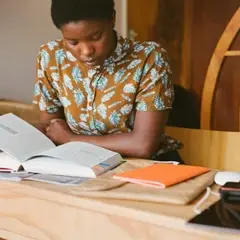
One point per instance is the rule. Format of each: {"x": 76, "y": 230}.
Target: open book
{"x": 23, "y": 147}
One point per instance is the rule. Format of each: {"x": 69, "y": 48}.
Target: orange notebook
{"x": 161, "y": 175}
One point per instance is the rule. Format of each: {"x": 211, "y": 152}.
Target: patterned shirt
{"x": 104, "y": 100}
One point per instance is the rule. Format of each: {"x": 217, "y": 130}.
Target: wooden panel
{"x": 227, "y": 97}
{"x": 161, "y": 21}
{"x": 225, "y": 111}
{"x": 168, "y": 30}
{"x": 216, "y": 65}
{"x": 190, "y": 31}
{"x": 209, "y": 23}
{"x": 141, "y": 19}
{"x": 214, "y": 149}
{"x": 185, "y": 79}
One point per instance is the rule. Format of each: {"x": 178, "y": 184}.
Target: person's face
{"x": 91, "y": 42}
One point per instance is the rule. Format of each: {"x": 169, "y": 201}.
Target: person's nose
{"x": 87, "y": 50}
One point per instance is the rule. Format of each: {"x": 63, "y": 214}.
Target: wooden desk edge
{"x": 99, "y": 206}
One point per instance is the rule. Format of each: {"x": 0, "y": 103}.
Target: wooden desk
{"x": 34, "y": 210}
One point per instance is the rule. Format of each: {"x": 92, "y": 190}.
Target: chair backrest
{"x": 205, "y": 147}
{"x": 22, "y": 110}
{"x": 214, "y": 69}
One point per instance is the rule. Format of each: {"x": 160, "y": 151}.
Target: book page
{"x": 87, "y": 155}
{"x": 20, "y": 139}
{"x": 56, "y": 166}
{"x": 8, "y": 162}
{"x": 73, "y": 159}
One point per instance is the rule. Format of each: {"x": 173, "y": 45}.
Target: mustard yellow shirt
{"x": 104, "y": 100}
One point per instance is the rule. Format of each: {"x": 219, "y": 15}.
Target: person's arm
{"x": 44, "y": 120}
{"x": 142, "y": 142}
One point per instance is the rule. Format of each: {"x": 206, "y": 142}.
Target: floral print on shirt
{"x": 104, "y": 100}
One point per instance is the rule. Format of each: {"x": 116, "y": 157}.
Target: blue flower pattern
{"x": 115, "y": 118}
{"x": 78, "y": 97}
{"x": 100, "y": 126}
{"x": 118, "y": 76}
{"x": 158, "y": 103}
{"x": 68, "y": 82}
{"x": 76, "y": 74}
{"x": 129, "y": 88}
{"x": 101, "y": 83}
{"x": 137, "y": 75}
{"x": 52, "y": 44}
{"x": 60, "y": 56}
{"x": 45, "y": 59}
{"x": 37, "y": 89}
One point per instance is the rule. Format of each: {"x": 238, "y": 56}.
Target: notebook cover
{"x": 161, "y": 175}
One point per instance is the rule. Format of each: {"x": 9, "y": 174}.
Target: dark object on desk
{"x": 230, "y": 191}
{"x": 223, "y": 215}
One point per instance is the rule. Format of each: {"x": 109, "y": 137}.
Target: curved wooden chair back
{"x": 221, "y": 51}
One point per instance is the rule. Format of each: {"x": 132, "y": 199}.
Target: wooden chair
{"x": 23, "y": 110}
{"x": 221, "y": 51}
{"x": 204, "y": 147}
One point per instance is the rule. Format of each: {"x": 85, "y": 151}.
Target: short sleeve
{"x": 45, "y": 95}
{"x": 155, "y": 91}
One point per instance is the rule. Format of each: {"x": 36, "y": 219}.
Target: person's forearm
{"x": 45, "y": 118}
{"x": 127, "y": 144}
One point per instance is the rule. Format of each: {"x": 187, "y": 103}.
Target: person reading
{"x": 97, "y": 87}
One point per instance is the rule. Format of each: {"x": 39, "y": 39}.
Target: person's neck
{"x": 111, "y": 51}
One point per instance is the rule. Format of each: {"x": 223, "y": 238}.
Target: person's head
{"x": 87, "y": 28}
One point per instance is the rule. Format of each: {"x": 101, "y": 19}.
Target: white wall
{"x": 121, "y": 21}
{"x": 24, "y": 26}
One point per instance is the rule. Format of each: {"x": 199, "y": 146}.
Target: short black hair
{"x": 66, "y": 11}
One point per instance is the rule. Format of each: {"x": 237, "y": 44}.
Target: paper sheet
{"x": 47, "y": 178}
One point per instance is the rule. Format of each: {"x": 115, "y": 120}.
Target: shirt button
{"x": 90, "y": 108}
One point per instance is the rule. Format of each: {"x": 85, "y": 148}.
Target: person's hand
{"x": 40, "y": 126}
{"x": 59, "y": 132}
